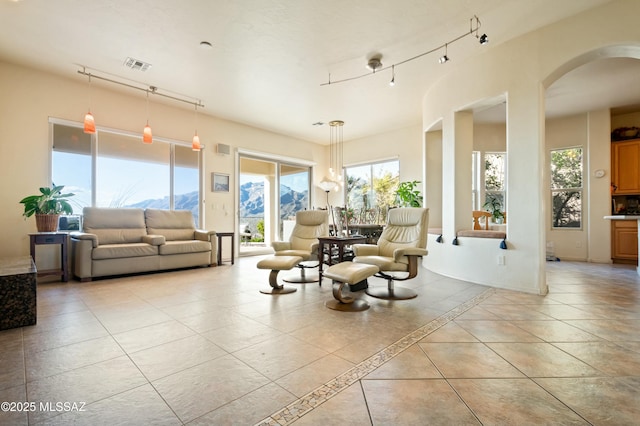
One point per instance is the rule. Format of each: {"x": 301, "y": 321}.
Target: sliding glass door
{"x": 270, "y": 194}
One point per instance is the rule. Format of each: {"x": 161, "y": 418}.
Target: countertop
{"x": 623, "y": 217}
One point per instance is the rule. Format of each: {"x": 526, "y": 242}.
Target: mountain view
{"x": 251, "y": 203}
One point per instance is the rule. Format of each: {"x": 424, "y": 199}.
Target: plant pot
{"x": 47, "y": 222}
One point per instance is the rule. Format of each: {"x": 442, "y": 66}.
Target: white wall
{"x": 30, "y": 97}
{"x": 521, "y": 68}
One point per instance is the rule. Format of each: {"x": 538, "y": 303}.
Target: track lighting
{"x": 393, "y": 76}
{"x": 375, "y": 64}
{"x": 444, "y": 58}
{"x": 89, "y": 122}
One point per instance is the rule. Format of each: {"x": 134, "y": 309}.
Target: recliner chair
{"x": 303, "y": 242}
{"x": 402, "y": 242}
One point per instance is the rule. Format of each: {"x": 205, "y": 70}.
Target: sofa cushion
{"x": 179, "y": 247}
{"x": 114, "y": 226}
{"x": 173, "y": 224}
{"x": 115, "y": 251}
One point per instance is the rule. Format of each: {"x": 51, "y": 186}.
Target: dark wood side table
{"x": 61, "y": 238}
{"x": 225, "y": 234}
{"x": 335, "y": 242}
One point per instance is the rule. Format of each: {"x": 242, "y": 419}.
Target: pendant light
{"x": 335, "y": 151}
{"x": 89, "y": 122}
{"x": 147, "y": 137}
{"x": 195, "y": 143}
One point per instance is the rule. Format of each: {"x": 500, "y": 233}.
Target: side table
{"x": 337, "y": 242}
{"x": 60, "y": 238}
{"x": 225, "y": 234}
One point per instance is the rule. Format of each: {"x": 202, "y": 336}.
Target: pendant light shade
{"x": 147, "y": 137}
{"x": 195, "y": 143}
{"x": 89, "y": 123}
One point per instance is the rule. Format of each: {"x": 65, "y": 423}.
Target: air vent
{"x": 136, "y": 64}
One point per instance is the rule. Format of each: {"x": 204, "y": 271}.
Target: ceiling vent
{"x": 136, "y": 64}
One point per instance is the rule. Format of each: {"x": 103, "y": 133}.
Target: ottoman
{"x": 348, "y": 273}
{"x": 277, "y": 264}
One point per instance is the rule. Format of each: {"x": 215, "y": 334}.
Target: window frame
{"x": 580, "y": 189}
{"x": 371, "y": 165}
{"x": 94, "y": 153}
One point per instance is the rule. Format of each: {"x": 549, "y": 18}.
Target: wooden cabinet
{"x": 624, "y": 241}
{"x": 625, "y": 167}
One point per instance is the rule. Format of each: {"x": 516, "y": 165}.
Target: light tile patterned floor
{"x": 204, "y": 347}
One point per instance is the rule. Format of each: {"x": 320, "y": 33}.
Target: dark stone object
{"x": 17, "y": 292}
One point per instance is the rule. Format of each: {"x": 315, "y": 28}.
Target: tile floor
{"x": 205, "y": 347}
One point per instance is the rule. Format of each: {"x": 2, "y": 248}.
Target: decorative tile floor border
{"x": 322, "y": 394}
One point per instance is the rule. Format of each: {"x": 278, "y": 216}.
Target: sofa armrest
{"x": 210, "y": 236}
{"x": 203, "y": 235}
{"x": 281, "y": 245}
{"x": 365, "y": 249}
{"x": 409, "y": 251}
{"x": 81, "y": 250}
{"x": 154, "y": 240}
{"x": 85, "y": 236}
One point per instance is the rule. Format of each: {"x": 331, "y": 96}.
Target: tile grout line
{"x": 323, "y": 393}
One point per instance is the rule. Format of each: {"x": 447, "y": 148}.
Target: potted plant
{"x": 494, "y": 206}
{"x": 47, "y": 206}
{"x": 407, "y": 195}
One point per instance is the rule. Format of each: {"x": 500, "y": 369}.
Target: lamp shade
{"x": 89, "y": 123}
{"x": 327, "y": 185}
{"x": 147, "y": 137}
{"x": 195, "y": 143}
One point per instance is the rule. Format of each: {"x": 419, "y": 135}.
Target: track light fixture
{"x": 444, "y": 58}
{"x": 147, "y": 137}
{"x": 393, "y": 76}
{"x": 375, "y": 65}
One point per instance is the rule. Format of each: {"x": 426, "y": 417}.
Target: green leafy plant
{"x": 407, "y": 195}
{"x": 494, "y": 206}
{"x": 49, "y": 201}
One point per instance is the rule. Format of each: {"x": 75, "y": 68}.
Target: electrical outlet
{"x": 500, "y": 260}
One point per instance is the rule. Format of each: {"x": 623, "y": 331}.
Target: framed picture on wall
{"x": 219, "y": 182}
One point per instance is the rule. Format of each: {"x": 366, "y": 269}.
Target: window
{"x": 566, "y": 188}
{"x": 371, "y": 190}
{"x": 494, "y": 179}
{"x": 118, "y": 170}
{"x": 488, "y": 180}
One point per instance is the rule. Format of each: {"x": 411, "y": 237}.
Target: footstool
{"x": 277, "y": 264}
{"x": 348, "y": 273}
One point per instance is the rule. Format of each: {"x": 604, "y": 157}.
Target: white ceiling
{"x": 269, "y": 57}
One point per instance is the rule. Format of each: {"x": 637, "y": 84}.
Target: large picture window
{"x": 118, "y": 170}
{"x": 566, "y": 188}
{"x": 371, "y": 189}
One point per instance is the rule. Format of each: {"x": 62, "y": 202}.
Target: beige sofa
{"x": 118, "y": 241}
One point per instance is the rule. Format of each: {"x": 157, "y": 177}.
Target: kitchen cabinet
{"x": 625, "y": 167}
{"x": 624, "y": 241}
